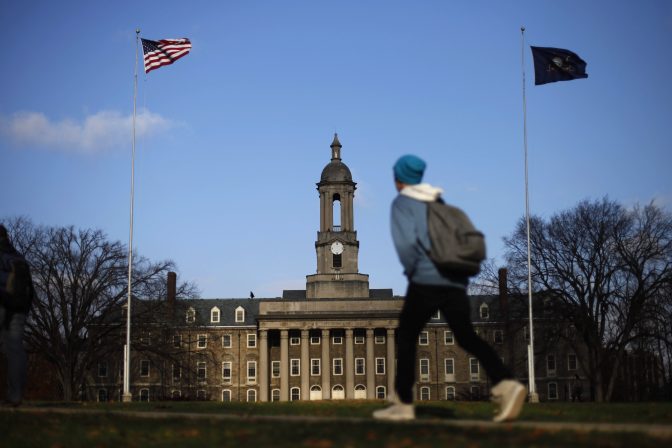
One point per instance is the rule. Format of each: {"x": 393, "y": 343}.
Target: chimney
{"x": 172, "y": 287}
{"x": 503, "y": 291}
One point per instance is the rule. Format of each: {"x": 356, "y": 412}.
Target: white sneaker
{"x": 396, "y": 412}
{"x": 510, "y": 396}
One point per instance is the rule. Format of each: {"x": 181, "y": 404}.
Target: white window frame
{"x": 315, "y": 340}
{"x": 360, "y": 366}
{"x": 484, "y": 311}
{"x": 450, "y": 391}
{"x": 449, "y": 369}
{"x": 552, "y": 387}
{"x": 226, "y": 393}
{"x": 437, "y": 315}
{"x": 359, "y": 339}
{"x": 448, "y": 338}
{"x": 315, "y": 367}
{"x": 294, "y": 340}
{"x": 225, "y": 337}
{"x": 275, "y": 369}
{"x": 423, "y": 338}
{"x": 251, "y": 395}
{"x": 337, "y": 339}
{"x": 551, "y": 364}
{"x": 295, "y": 367}
{"x": 295, "y": 394}
{"x": 143, "y": 394}
{"x": 240, "y": 314}
{"x": 251, "y": 340}
{"x": 381, "y": 392}
{"x": 201, "y": 341}
{"x": 201, "y": 366}
{"x": 190, "y": 317}
{"x": 227, "y": 365}
{"x": 572, "y": 362}
{"x": 275, "y": 395}
{"x": 423, "y": 369}
{"x": 379, "y": 339}
{"x": 215, "y": 315}
{"x": 380, "y": 366}
{"x": 337, "y": 366}
{"x": 251, "y": 366}
{"x": 425, "y": 393}
{"x": 474, "y": 369}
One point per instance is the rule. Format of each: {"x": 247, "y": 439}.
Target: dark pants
{"x": 422, "y": 301}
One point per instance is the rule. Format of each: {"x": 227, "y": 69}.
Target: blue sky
{"x": 233, "y": 137}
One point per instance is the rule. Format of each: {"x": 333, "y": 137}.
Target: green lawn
{"x": 111, "y": 429}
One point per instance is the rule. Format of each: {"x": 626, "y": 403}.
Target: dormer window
{"x": 214, "y": 315}
{"x": 191, "y": 315}
{"x": 240, "y": 314}
{"x": 484, "y": 312}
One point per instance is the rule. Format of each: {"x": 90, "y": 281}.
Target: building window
{"x": 144, "y": 367}
{"x": 423, "y": 339}
{"x": 177, "y": 340}
{"x": 315, "y": 340}
{"x": 424, "y": 369}
{"x": 102, "y": 370}
{"x": 338, "y": 366}
{"x": 177, "y": 372}
{"x": 484, "y": 312}
{"x": 295, "y": 394}
{"x": 226, "y": 341}
{"x": 144, "y": 394}
{"x": 379, "y": 339}
{"x": 424, "y": 393}
{"x": 337, "y": 338}
{"x": 360, "y": 366}
{"x": 191, "y": 315}
{"x": 175, "y": 394}
{"x": 102, "y": 395}
{"x": 214, "y": 315}
{"x": 359, "y": 337}
{"x": 449, "y": 364}
{"x": 337, "y": 392}
{"x": 436, "y": 315}
{"x": 251, "y": 340}
{"x": 275, "y": 395}
{"x": 295, "y": 367}
{"x": 380, "y": 366}
{"x": 450, "y": 393}
{"x": 226, "y": 371}
{"x": 550, "y": 365}
{"x": 499, "y": 337}
{"x": 201, "y": 395}
{"x": 294, "y": 340}
{"x": 275, "y": 369}
{"x": 360, "y": 392}
{"x": 474, "y": 369}
{"x": 315, "y": 366}
{"x": 381, "y": 393}
{"x": 202, "y": 341}
{"x": 552, "y": 391}
{"x": 251, "y": 395}
{"x": 448, "y": 338}
{"x": 571, "y": 361}
{"x": 240, "y": 314}
{"x": 226, "y": 395}
{"x": 475, "y": 392}
{"x": 251, "y": 371}
{"x": 337, "y": 260}
{"x": 201, "y": 371}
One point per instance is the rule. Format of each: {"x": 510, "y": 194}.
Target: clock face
{"x": 337, "y": 248}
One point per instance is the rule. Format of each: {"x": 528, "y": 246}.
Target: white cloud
{"x": 104, "y": 130}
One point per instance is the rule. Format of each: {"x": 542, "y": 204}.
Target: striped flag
{"x": 163, "y": 52}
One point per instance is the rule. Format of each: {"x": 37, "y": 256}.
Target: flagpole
{"x": 532, "y": 388}
{"x": 127, "y": 396}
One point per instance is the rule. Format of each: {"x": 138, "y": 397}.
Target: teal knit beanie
{"x": 409, "y": 169}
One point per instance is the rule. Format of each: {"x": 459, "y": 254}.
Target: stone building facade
{"x": 334, "y": 340}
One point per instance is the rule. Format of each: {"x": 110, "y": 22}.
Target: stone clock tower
{"x": 337, "y": 246}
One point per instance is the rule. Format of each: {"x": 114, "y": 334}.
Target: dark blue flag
{"x": 556, "y": 64}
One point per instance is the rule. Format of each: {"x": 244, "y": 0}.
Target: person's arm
{"x": 404, "y": 235}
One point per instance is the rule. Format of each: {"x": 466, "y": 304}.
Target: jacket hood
{"x": 422, "y": 192}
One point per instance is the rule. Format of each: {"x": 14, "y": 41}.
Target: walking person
{"x": 16, "y": 295}
{"x": 429, "y": 291}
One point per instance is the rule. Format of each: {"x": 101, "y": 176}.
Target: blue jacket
{"x": 411, "y": 238}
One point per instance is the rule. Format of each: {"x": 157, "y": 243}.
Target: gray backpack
{"x": 457, "y": 248}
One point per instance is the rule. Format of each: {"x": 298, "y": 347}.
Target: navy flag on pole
{"x": 556, "y": 64}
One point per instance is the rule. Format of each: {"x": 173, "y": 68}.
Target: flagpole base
{"x": 533, "y": 397}
{"x": 126, "y": 398}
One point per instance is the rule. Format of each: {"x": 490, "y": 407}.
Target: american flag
{"x": 163, "y": 52}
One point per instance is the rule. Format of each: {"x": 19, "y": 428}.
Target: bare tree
{"x": 604, "y": 266}
{"x": 81, "y": 280}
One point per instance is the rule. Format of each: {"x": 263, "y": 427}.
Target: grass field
{"x": 341, "y": 424}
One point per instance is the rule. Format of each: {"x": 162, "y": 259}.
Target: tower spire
{"x": 336, "y": 148}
